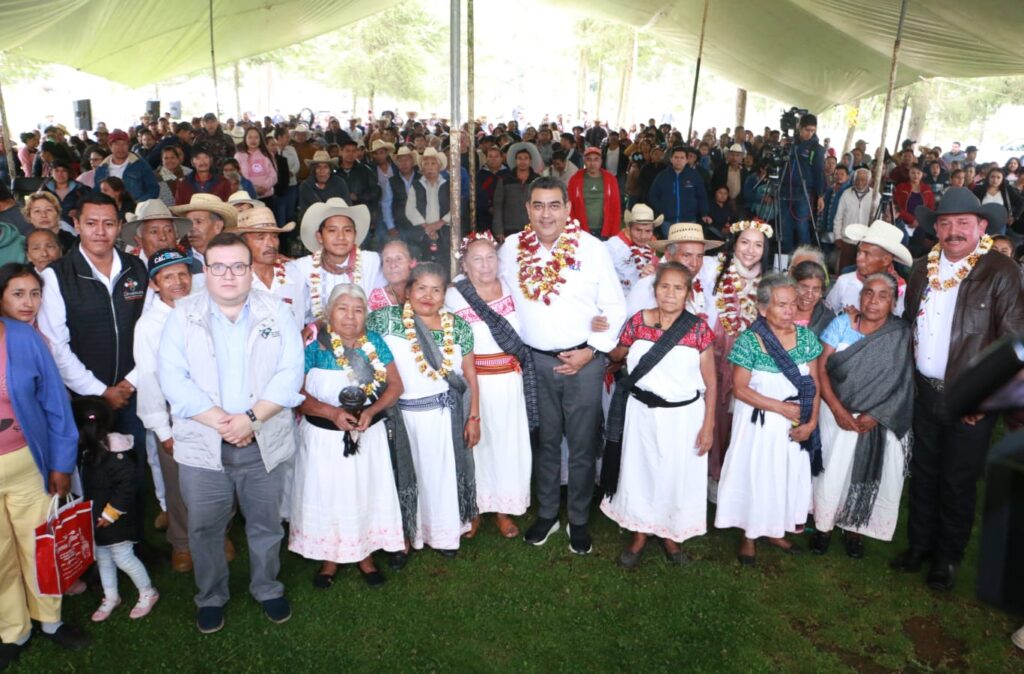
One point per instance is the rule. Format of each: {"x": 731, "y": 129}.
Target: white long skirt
{"x": 503, "y": 456}
{"x": 662, "y": 481}
{"x": 766, "y": 478}
{"x": 344, "y": 508}
{"x": 430, "y": 437}
{"x": 838, "y": 449}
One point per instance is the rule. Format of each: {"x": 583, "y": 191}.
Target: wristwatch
{"x": 256, "y": 423}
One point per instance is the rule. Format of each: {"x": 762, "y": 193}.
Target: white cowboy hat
{"x": 736, "y": 147}
{"x": 259, "y": 219}
{"x": 153, "y": 209}
{"x": 406, "y": 150}
{"x": 318, "y": 212}
{"x": 301, "y": 128}
{"x": 642, "y": 213}
{"x": 382, "y": 145}
{"x": 321, "y": 157}
{"x": 432, "y": 153}
{"x": 210, "y": 203}
{"x": 685, "y": 232}
{"x": 238, "y": 134}
{"x": 880, "y": 233}
{"x": 242, "y": 197}
{"x": 536, "y": 162}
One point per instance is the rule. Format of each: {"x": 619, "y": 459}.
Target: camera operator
{"x": 803, "y": 185}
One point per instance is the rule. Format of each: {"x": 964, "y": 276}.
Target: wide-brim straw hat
{"x": 382, "y": 145}
{"x": 433, "y": 153}
{"x": 259, "y": 219}
{"x": 882, "y": 234}
{"x": 321, "y": 157}
{"x": 210, "y": 203}
{"x": 318, "y": 212}
{"x": 153, "y": 209}
{"x": 242, "y": 197}
{"x": 642, "y": 213}
{"x": 685, "y": 232}
{"x": 536, "y": 161}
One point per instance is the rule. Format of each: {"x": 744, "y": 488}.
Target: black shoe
{"x": 677, "y": 558}
{"x": 450, "y": 554}
{"x": 820, "y": 542}
{"x": 854, "y": 545}
{"x": 68, "y": 637}
{"x": 910, "y": 560}
{"x": 747, "y": 560}
{"x": 540, "y": 530}
{"x": 630, "y": 560}
{"x": 942, "y": 575}
{"x": 398, "y": 560}
{"x": 323, "y": 581}
{"x": 278, "y": 610}
{"x": 579, "y": 539}
{"x": 210, "y": 619}
{"x": 374, "y": 579}
{"x": 9, "y": 654}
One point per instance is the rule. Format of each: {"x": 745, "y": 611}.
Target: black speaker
{"x": 174, "y": 107}
{"x": 153, "y": 109}
{"x": 83, "y": 114}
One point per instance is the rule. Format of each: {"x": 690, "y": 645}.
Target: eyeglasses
{"x": 220, "y": 269}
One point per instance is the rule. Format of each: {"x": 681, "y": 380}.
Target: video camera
{"x": 790, "y": 120}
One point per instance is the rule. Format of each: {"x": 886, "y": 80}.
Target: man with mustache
{"x": 959, "y": 299}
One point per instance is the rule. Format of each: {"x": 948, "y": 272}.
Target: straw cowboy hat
{"x": 259, "y": 219}
{"x": 433, "y": 153}
{"x": 382, "y": 145}
{"x": 956, "y": 200}
{"x": 321, "y": 157}
{"x": 880, "y": 233}
{"x": 318, "y": 212}
{"x": 642, "y": 213}
{"x": 536, "y": 162}
{"x": 242, "y": 197}
{"x": 210, "y": 203}
{"x": 406, "y": 150}
{"x": 149, "y": 210}
{"x": 685, "y": 232}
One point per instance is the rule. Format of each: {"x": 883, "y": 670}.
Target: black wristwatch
{"x": 256, "y": 423}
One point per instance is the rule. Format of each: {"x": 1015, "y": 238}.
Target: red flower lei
{"x": 541, "y": 281}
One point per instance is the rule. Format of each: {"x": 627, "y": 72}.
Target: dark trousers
{"x": 948, "y": 458}
{"x": 127, "y": 421}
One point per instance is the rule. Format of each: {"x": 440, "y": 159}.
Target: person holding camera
{"x": 803, "y": 185}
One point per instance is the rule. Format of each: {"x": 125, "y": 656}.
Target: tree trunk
{"x": 373, "y": 91}
{"x": 238, "y": 95}
{"x": 627, "y": 83}
{"x": 920, "y": 104}
{"x": 581, "y": 84}
{"x": 355, "y": 102}
{"x": 600, "y": 89}
{"x": 741, "y": 109}
{"x": 851, "y": 127}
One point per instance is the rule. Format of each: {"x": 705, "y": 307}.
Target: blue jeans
{"x": 110, "y": 558}
{"x": 795, "y": 219}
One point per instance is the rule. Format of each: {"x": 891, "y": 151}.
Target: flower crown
{"x": 759, "y": 225}
{"x": 475, "y": 236}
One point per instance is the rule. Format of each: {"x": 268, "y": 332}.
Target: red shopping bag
{"x": 64, "y": 546}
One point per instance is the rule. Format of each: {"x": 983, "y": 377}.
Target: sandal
{"x": 507, "y": 526}
{"x": 324, "y": 581}
{"x": 474, "y": 526}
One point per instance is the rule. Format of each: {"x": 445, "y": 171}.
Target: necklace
{"x": 380, "y": 373}
{"x": 447, "y": 343}
{"x": 541, "y": 281}
{"x": 963, "y": 269}
{"x": 735, "y": 299}
{"x": 316, "y": 279}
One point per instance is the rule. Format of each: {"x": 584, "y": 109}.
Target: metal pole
{"x": 455, "y": 165}
{"x": 696, "y": 74}
{"x": 9, "y": 144}
{"x": 880, "y": 153}
{"x": 213, "y": 64}
{"x": 471, "y": 92}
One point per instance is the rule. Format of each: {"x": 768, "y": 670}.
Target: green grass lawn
{"x": 505, "y": 606}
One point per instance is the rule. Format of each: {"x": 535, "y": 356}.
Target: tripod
{"x": 773, "y": 195}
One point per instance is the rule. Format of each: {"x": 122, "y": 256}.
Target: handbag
{"x": 64, "y": 545}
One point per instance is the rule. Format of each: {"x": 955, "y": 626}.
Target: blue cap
{"x": 165, "y": 258}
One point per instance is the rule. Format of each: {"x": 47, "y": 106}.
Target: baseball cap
{"x": 165, "y": 258}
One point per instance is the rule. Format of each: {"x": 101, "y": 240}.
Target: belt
{"x": 328, "y": 425}
{"x": 496, "y": 363}
{"x": 555, "y": 353}
{"x": 937, "y": 385}
{"x": 654, "y": 400}
{"x": 434, "y": 402}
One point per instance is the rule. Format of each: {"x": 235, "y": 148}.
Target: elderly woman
{"x": 42, "y": 210}
{"x": 811, "y": 311}
{"x": 37, "y": 455}
{"x": 661, "y": 422}
{"x": 440, "y": 405}
{"x": 868, "y": 392}
{"x": 397, "y": 263}
{"x": 41, "y": 248}
{"x": 170, "y": 172}
{"x": 775, "y": 448}
{"x": 508, "y": 386}
{"x": 344, "y": 500}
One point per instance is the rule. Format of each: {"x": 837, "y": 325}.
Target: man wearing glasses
{"x": 231, "y": 367}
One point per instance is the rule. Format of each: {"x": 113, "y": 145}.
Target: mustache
{"x": 954, "y": 237}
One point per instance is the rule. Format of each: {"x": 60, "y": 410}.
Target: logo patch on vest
{"x": 133, "y": 290}
{"x": 268, "y": 332}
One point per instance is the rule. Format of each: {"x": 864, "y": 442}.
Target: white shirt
{"x": 933, "y": 325}
{"x": 151, "y": 403}
{"x": 433, "y": 206}
{"x": 370, "y": 278}
{"x": 563, "y": 177}
{"x": 292, "y": 291}
{"x": 700, "y": 303}
{"x": 611, "y": 160}
{"x": 625, "y": 267}
{"x": 53, "y": 323}
{"x": 845, "y": 292}
{"x": 591, "y": 289}
{"x": 117, "y": 170}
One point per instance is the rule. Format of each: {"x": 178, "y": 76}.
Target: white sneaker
{"x": 1018, "y": 638}
{"x": 107, "y": 607}
{"x": 147, "y": 600}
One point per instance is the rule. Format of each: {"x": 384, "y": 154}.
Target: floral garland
{"x": 640, "y": 256}
{"x": 961, "y": 273}
{"x": 540, "y": 282}
{"x": 315, "y": 280}
{"x": 475, "y": 236}
{"x": 447, "y": 343}
{"x": 380, "y": 372}
{"x": 280, "y": 275}
{"x": 736, "y": 306}
{"x": 698, "y": 299}
{"x": 759, "y": 225}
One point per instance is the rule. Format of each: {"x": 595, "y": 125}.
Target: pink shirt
{"x": 11, "y": 437}
{"x": 260, "y": 169}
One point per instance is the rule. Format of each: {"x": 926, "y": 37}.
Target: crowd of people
{"x": 263, "y": 318}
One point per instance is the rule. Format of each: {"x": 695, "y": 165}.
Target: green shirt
{"x": 748, "y": 354}
{"x": 593, "y": 199}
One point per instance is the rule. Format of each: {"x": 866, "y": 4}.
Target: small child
{"x": 108, "y": 478}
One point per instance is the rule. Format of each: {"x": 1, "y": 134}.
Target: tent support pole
{"x": 455, "y": 167}
{"x": 9, "y": 143}
{"x": 696, "y": 74}
{"x": 903, "y": 118}
{"x": 880, "y": 153}
{"x": 213, "y": 64}
{"x": 470, "y": 112}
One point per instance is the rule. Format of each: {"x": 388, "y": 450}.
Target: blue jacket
{"x": 679, "y": 197}
{"x": 41, "y": 404}
{"x": 139, "y": 178}
{"x": 810, "y": 158}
